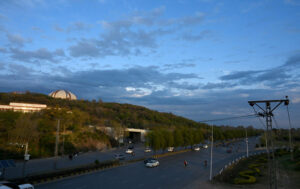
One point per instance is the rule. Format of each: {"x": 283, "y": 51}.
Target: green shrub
{"x": 247, "y": 177}
{"x": 97, "y": 162}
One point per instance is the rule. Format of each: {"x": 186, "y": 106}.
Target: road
{"x": 38, "y": 166}
{"x": 170, "y": 174}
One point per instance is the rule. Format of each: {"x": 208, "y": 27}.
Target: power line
{"x": 229, "y": 118}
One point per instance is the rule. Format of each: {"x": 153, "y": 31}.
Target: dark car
{"x": 148, "y": 160}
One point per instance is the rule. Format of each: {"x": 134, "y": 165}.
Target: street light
{"x": 211, "y": 151}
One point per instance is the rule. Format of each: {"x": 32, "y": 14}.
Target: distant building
{"x": 63, "y": 94}
{"x": 23, "y": 107}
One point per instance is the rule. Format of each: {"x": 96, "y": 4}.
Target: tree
{"x": 178, "y": 138}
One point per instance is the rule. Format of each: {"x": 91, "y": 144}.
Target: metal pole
{"x": 63, "y": 148}
{"x": 25, "y": 161}
{"x": 211, "y": 151}
{"x": 290, "y": 134}
{"x": 247, "y": 143}
{"x": 56, "y": 143}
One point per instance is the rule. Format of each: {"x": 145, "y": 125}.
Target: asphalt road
{"x": 170, "y": 174}
{"x": 38, "y": 166}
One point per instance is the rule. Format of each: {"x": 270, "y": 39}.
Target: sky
{"x": 200, "y": 59}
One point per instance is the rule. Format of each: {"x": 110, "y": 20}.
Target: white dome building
{"x": 63, "y": 94}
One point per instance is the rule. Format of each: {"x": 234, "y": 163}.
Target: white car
{"x": 170, "y": 149}
{"x": 196, "y": 148}
{"x": 205, "y": 146}
{"x": 152, "y": 163}
{"x": 129, "y": 151}
{"x": 147, "y": 150}
{"x": 10, "y": 185}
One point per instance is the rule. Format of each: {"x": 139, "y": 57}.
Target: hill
{"x": 80, "y": 121}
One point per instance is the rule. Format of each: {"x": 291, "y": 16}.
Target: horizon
{"x": 199, "y": 59}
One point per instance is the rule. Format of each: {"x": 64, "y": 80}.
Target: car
{"x": 119, "y": 156}
{"x": 10, "y": 185}
{"x": 205, "y": 146}
{"x": 229, "y": 150}
{"x": 152, "y": 163}
{"x": 148, "y": 160}
{"x": 129, "y": 151}
{"x": 196, "y": 148}
{"x": 147, "y": 149}
{"x": 170, "y": 149}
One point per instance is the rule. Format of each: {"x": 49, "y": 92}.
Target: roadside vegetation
{"x": 254, "y": 171}
{"x": 81, "y": 122}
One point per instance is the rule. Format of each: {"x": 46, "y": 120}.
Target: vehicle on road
{"x": 205, "y": 146}
{"x": 152, "y": 163}
{"x": 119, "y": 156}
{"x": 196, "y": 148}
{"x": 129, "y": 151}
{"x": 149, "y": 159}
{"x": 10, "y": 185}
{"x": 170, "y": 149}
{"x": 147, "y": 149}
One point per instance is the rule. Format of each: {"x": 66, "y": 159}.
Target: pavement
{"x": 171, "y": 172}
{"x": 39, "y": 166}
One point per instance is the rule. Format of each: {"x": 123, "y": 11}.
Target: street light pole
{"x": 211, "y": 151}
{"x": 247, "y": 143}
{"x": 56, "y": 143}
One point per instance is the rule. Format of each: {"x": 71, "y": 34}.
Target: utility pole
{"x": 56, "y": 143}
{"x": 211, "y": 151}
{"x": 268, "y": 113}
{"x": 247, "y": 142}
{"x": 26, "y": 158}
{"x": 290, "y": 134}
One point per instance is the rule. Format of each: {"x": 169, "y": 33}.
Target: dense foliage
{"x": 80, "y": 121}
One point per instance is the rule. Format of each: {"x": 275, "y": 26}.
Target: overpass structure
{"x": 132, "y": 134}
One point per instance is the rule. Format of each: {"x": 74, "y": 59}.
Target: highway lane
{"x": 170, "y": 174}
{"x": 37, "y": 166}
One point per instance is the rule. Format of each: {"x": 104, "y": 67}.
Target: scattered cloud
{"x": 292, "y": 2}
{"x": 221, "y": 85}
{"x": 196, "y": 37}
{"x": 37, "y": 55}
{"x": 78, "y": 26}
{"x": 58, "y": 28}
{"x": 178, "y": 66}
{"x": 16, "y": 39}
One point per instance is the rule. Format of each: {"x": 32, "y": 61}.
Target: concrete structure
{"x": 63, "y": 94}
{"x": 23, "y": 107}
{"x": 135, "y": 135}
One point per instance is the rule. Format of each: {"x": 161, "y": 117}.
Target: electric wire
{"x": 259, "y": 117}
{"x": 230, "y": 118}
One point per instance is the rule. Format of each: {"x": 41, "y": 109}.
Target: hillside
{"x": 101, "y": 113}
{"x": 79, "y": 123}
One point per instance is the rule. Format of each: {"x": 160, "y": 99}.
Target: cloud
{"x": 196, "y": 37}
{"x": 293, "y": 61}
{"x": 116, "y": 43}
{"x": 78, "y": 26}
{"x": 238, "y": 75}
{"x": 221, "y": 85}
{"x": 58, "y": 28}
{"x": 37, "y": 55}
{"x": 23, "y": 3}
{"x": 279, "y": 76}
{"x": 178, "y": 66}
{"x": 292, "y": 2}
{"x": 135, "y": 34}
{"x": 16, "y": 39}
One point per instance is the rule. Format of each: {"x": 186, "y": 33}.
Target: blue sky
{"x": 201, "y": 59}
